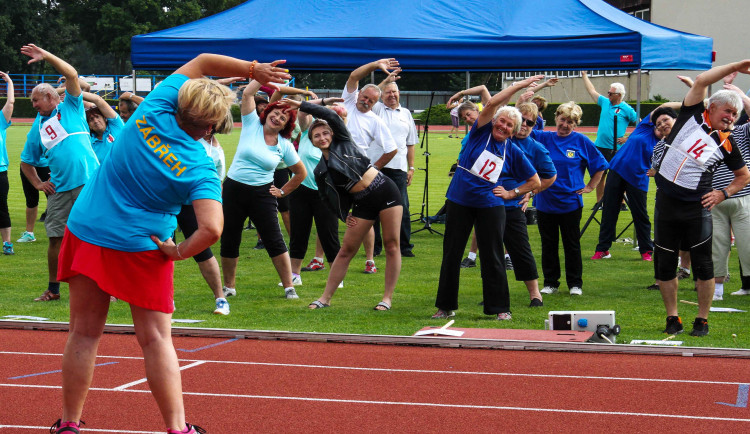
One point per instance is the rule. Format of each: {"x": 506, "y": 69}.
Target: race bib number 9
{"x": 487, "y": 167}
{"x": 52, "y": 133}
{"x": 699, "y": 146}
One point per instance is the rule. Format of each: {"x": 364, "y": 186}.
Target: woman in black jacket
{"x": 346, "y": 179}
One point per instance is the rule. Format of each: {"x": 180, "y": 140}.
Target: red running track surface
{"x": 287, "y": 386}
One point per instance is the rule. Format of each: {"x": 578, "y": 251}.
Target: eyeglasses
{"x": 612, "y": 93}
{"x": 529, "y": 122}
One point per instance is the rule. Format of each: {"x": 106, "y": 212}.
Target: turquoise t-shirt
{"x": 625, "y": 116}
{"x": 104, "y": 145}
{"x": 310, "y": 157}
{"x": 4, "y": 124}
{"x": 254, "y": 162}
{"x": 154, "y": 168}
{"x": 71, "y": 160}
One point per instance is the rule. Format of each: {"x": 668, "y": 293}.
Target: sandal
{"x": 317, "y": 304}
{"x": 47, "y": 295}
{"x": 382, "y": 306}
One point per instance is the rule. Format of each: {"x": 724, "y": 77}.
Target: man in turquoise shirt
{"x": 59, "y": 134}
{"x": 613, "y": 107}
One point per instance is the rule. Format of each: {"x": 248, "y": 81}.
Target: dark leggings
{"x": 304, "y": 206}
{"x": 189, "y": 224}
{"x": 31, "y": 193}
{"x": 241, "y": 201}
{"x": 4, "y": 188}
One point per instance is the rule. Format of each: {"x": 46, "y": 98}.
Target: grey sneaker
{"x": 291, "y": 294}
{"x": 504, "y": 316}
{"x": 222, "y": 306}
{"x": 228, "y": 292}
{"x": 443, "y": 314}
{"x": 742, "y": 292}
{"x": 576, "y": 291}
{"x": 468, "y": 263}
{"x": 296, "y": 280}
{"x": 548, "y": 290}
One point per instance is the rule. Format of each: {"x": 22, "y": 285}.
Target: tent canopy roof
{"x": 435, "y": 35}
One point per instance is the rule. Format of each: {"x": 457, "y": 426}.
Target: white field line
{"x": 143, "y": 380}
{"x": 422, "y": 371}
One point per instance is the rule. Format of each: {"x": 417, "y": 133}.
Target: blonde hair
{"x": 226, "y": 125}
{"x": 511, "y": 113}
{"x": 542, "y": 102}
{"x": 528, "y": 108}
{"x": 570, "y": 110}
{"x": 202, "y": 100}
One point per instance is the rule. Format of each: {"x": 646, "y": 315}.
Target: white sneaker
{"x": 228, "y": 292}
{"x": 222, "y": 306}
{"x": 718, "y": 297}
{"x": 296, "y": 280}
{"x": 548, "y": 290}
{"x": 26, "y": 237}
{"x": 576, "y": 291}
{"x": 341, "y": 285}
{"x": 742, "y": 292}
{"x": 291, "y": 294}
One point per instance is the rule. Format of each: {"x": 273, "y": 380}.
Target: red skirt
{"x": 144, "y": 279}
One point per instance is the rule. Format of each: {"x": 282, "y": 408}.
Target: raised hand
{"x": 269, "y": 73}
{"x": 386, "y": 65}
{"x": 36, "y": 53}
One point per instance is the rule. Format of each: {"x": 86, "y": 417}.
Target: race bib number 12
{"x": 488, "y": 167}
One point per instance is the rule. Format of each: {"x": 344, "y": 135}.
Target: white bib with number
{"x": 488, "y": 166}
{"x": 699, "y": 146}
{"x": 52, "y": 132}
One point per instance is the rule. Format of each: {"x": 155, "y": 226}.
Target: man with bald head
{"x": 59, "y": 135}
{"x": 368, "y": 131}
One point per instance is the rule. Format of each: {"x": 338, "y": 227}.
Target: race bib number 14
{"x": 699, "y": 146}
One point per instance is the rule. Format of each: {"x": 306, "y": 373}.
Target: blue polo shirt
{"x": 71, "y": 161}
{"x": 469, "y": 190}
{"x": 572, "y": 156}
{"x": 4, "y": 124}
{"x": 102, "y": 146}
{"x": 625, "y": 116}
{"x": 154, "y": 168}
{"x": 633, "y": 160}
{"x": 539, "y": 158}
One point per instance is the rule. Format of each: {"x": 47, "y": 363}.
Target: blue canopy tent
{"x": 436, "y": 35}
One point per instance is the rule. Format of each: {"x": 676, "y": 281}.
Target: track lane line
{"x": 419, "y": 371}
{"x": 598, "y": 412}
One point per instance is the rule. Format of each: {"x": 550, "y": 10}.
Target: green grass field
{"x": 615, "y": 284}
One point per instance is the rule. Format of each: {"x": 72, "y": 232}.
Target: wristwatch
{"x": 518, "y": 192}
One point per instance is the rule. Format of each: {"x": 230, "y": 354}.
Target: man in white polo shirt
{"x": 368, "y": 131}
{"x": 401, "y": 168}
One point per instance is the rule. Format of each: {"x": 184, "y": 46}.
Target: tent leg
{"x": 638, "y": 101}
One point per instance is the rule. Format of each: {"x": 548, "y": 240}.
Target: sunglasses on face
{"x": 529, "y": 122}
{"x": 612, "y": 93}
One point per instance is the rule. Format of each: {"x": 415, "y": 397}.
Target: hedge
{"x": 440, "y": 115}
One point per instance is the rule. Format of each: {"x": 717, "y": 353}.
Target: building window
{"x": 644, "y": 14}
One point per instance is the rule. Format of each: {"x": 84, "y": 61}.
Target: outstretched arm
{"x": 247, "y": 105}
{"x": 480, "y": 90}
{"x": 131, "y": 97}
{"x": 392, "y": 77}
{"x": 745, "y": 98}
{"x": 11, "y": 100}
{"x": 697, "y": 93}
{"x": 501, "y": 98}
{"x": 288, "y": 90}
{"x": 38, "y": 54}
{"x": 386, "y": 65}
{"x": 102, "y": 105}
{"x": 590, "y": 86}
{"x": 225, "y": 66}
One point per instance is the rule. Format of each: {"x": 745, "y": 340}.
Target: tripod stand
{"x": 424, "y": 214}
{"x": 600, "y": 204}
